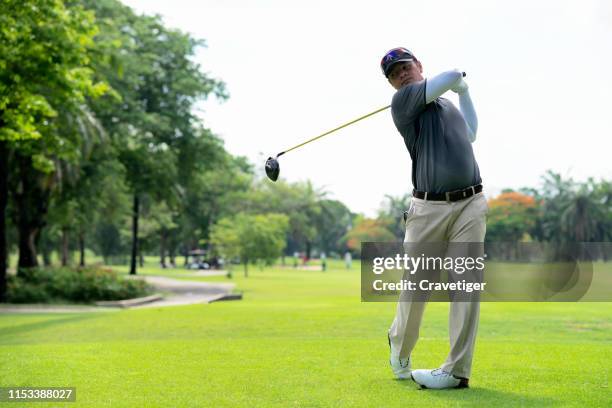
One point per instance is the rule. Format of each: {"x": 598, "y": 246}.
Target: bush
{"x": 82, "y": 285}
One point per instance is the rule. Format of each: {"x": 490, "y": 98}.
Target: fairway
{"x": 303, "y": 338}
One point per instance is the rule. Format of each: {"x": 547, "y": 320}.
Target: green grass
{"x": 303, "y": 338}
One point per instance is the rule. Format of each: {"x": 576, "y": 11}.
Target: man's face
{"x": 404, "y": 73}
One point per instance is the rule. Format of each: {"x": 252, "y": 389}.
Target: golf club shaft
{"x": 340, "y": 127}
{"x": 333, "y": 130}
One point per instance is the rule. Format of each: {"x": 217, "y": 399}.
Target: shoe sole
{"x": 463, "y": 383}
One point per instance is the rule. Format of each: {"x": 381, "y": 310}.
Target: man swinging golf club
{"x": 448, "y": 204}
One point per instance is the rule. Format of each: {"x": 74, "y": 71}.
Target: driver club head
{"x": 272, "y": 168}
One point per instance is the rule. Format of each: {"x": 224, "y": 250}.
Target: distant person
{"x": 323, "y": 261}
{"x": 296, "y": 257}
{"x": 348, "y": 260}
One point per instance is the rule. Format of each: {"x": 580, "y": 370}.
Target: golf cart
{"x": 196, "y": 260}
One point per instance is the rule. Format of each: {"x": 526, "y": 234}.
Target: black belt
{"x": 456, "y": 195}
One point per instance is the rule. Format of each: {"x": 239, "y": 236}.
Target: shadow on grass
{"x": 479, "y": 396}
{"x": 7, "y": 334}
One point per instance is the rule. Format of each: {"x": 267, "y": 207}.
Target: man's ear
{"x": 420, "y": 66}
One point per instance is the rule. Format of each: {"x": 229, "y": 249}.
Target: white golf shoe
{"x": 438, "y": 379}
{"x": 400, "y": 366}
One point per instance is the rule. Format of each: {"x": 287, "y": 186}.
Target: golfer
{"x": 448, "y": 204}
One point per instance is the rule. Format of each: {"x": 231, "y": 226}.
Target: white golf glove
{"x": 461, "y": 87}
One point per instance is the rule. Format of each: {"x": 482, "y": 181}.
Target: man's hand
{"x": 461, "y": 87}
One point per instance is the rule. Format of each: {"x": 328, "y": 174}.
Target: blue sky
{"x": 538, "y": 71}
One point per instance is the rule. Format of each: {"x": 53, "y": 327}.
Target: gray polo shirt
{"x": 436, "y": 137}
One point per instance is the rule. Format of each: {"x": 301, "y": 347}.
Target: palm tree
{"x": 583, "y": 219}
{"x": 574, "y": 213}
{"x": 73, "y": 204}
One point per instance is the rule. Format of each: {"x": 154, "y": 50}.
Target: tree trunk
{"x": 135, "y": 210}
{"x": 65, "y": 247}
{"x": 4, "y": 190}
{"x": 308, "y": 249}
{"x": 31, "y": 199}
{"x": 162, "y": 248}
{"x": 82, "y": 249}
{"x": 172, "y": 255}
{"x": 46, "y": 255}
{"x": 28, "y": 233}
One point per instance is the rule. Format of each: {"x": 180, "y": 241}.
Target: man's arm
{"x": 469, "y": 114}
{"x": 453, "y": 81}
{"x": 437, "y": 85}
{"x": 467, "y": 109}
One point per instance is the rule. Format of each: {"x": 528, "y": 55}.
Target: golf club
{"x": 272, "y": 166}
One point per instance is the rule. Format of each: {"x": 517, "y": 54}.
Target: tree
{"x": 585, "y": 217}
{"x": 570, "y": 213}
{"x": 573, "y": 212}
{"x": 110, "y": 224}
{"x": 367, "y": 230}
{"x": 299, "y": 201}
{"x": 331, "y": 224}
{"x": 252, "y": 238}
{"x": 75, "y": 201}
{"x": 511, "y": 216}
{"x": 44, "y": 68}
{"x": 212, "y": 194}
{"x": 553, "y": 195}
{"x": 153, "y": 127}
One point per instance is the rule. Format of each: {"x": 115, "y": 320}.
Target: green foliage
{"x": 367, "y": 230}
{"x": 45, "y": 79}
{"x": 44, "y": 68}
{"x": 331, "y": 224}
{"x": 300, "y": 202}
{"x": 511, "y": 217}
{"x": 85, "y": 285}
{"x": 572, "y": 211}
{"x": 151, "y": 67}
{"x": 213, "y": 194}
{"x": 252, "y": 238}
{"x": 107, "y": 241}
{"x": 159, "y": 141}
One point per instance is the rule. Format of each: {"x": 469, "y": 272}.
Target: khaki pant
{"x": 440, "y": 221}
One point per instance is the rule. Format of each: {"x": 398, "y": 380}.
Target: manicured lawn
{"x": 303, "y": 338}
